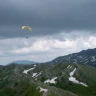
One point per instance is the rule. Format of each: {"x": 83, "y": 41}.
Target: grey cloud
{"x": 46, "y": 17}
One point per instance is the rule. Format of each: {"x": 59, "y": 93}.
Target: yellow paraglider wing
{"x": 28, "y": 27}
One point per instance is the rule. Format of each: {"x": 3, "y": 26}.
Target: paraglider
{"x": 28, "y": 27}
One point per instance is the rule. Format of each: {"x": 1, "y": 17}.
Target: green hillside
{"x": 13, "y": 82}
{"x": 83, "y": 73}
{"x": 63, "y": 79}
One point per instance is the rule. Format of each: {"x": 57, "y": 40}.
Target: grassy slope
{"x": 83, "y": 73}
{"x": 14, "y": 74}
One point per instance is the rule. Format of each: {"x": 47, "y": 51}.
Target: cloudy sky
{"x": 59, "y": 27}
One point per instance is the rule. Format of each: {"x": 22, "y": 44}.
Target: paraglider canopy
{"x": 28, "y": 27}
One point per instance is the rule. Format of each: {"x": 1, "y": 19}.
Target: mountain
{"x": 66, "y": 75}
{"x": 76, "y": 78}
{"x": 16, "y": 81}
{"x": 85, "y": 57}
{"x": 24, "y": 62}
{"x": 62, "y": 79}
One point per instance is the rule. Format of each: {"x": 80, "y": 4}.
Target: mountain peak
{"x": 25, "y": 62}
{"x": 86, "y": 57}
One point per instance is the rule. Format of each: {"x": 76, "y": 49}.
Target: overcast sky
{"x": 60, "y": 27}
